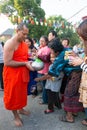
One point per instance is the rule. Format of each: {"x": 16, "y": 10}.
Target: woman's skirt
{"x": 71, "y": 94}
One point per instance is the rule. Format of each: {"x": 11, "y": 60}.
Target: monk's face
{"x": 22, "y": 34}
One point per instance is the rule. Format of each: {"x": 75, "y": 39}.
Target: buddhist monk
{"x": 16, "y": 73}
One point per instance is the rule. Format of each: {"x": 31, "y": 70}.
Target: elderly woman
{"x": 71, "y": 96}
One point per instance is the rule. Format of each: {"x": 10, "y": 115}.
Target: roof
{"x": 8, "y": 32}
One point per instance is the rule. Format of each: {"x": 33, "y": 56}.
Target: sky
{"x": 4, "y": 23}
{"x": 66, "y": 8}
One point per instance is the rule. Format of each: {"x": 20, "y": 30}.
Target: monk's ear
{"x": 16, "y": 30}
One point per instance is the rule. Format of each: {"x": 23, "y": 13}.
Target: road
{"x": 37, "y": 120}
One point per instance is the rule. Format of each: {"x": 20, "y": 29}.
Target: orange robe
{"x": 16, "y": 80}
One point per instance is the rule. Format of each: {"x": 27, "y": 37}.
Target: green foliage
{"x": 7, "y": 7}
{"x": 38, "y": 2}
{"x": 36, "y": 31}
{"x": 22, "y": 8}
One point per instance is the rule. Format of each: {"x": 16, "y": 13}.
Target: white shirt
{"x": 1, "y": 54}
{"x": 55, "y": 84}
{"x": 75, "y": 49}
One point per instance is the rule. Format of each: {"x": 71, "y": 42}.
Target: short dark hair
{"x": 34, "y": 39}
{"x": 68, "y": 41}
{"x": 32, "y": 44}
{"x": 2, "y": 43}
{"x": 56, "y": 45}
{"x": 53, "y": 33}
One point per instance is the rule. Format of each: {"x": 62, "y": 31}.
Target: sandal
{"x": 84, "y": 122}
{"x": 64, "y": 119}
{"x": 48, "y": 111}
{"x": 75, "y": 114}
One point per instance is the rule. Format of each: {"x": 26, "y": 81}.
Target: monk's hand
{"x": 77, "y": 61}
{"x": 29, "y": 66}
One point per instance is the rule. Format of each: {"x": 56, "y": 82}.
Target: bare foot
{"x": 84, "y": 122}
{"x": 24, "y": 112}
{"x": 65, "y": 119}
{"x": 75, "y": 114}
{"x": 18, "y": 122}
{"x": 70, "y": 118}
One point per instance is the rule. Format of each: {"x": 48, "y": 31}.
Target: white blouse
{"x": 84, "y": 67}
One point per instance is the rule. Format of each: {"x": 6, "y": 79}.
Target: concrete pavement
{"x": 37, "y": 119}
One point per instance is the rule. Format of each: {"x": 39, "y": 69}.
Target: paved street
{"x": 37, "y": 119}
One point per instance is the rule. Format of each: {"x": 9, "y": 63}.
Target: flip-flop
{"x": 75, "y": 115}
{"x": 48, "y": 111}
{"x": 64, "y": 119}
{"x": 84, "y": 122}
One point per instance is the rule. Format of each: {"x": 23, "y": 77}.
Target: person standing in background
{"x": 1, "y": 65}
{"x": 76, "y": 49}
{"x": 35, "y": 43}
{"x": 32, "y": 85}
{"x": 43, "y": 54}
{"x": 52, "y": 34}
{"x": 65, "y": 43}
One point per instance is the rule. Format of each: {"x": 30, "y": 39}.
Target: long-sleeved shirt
{"x": 60, "y": 64}
{"x": 84, "y": 67}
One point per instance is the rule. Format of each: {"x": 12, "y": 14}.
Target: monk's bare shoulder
{"x": 10, "y": 44}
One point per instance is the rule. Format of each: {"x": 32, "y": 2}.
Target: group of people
{"x": 17, "y": 69}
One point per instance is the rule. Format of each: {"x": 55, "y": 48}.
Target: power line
{"x": 77, "y": 12}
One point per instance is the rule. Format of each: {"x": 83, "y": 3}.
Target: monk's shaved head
{"x": 21, "y": 26}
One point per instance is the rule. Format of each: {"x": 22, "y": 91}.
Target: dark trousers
{"x": 1, "y": 75}
{"x": 63, "y": 85}
{"x": 85, "y": 112}
{"x": 44, "y": 93}
{"x": 53, "y": 99}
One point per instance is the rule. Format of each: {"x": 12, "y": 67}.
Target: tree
{"x": 64, "y": 29}
{"x": 7, "y": 7}
{"x": 22, "y": 8}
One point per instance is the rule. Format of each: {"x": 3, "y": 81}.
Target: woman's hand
{"x": 76, "y": 61}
